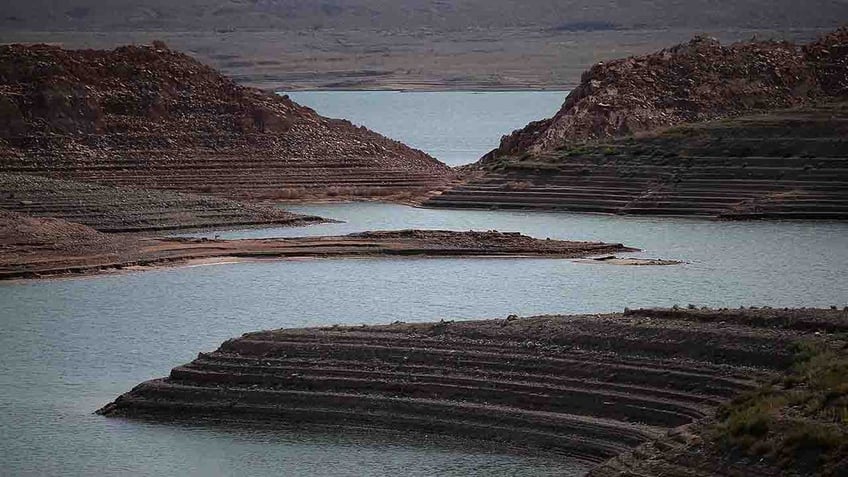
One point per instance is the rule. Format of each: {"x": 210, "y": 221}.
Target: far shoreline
{"x": 390, "y": 89}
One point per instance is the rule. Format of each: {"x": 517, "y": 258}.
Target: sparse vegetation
{"x": 799, "y": 421}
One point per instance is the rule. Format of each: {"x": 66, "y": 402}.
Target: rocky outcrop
{"x": 588, "y": 386}
{"x": 751, "y": 130}
{"x": 785, "y": 164}
{"x": 698, "y": 81}
{"x": 50, "y": 253}
{"x": 149, "y": 116}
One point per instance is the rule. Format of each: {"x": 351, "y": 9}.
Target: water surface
{"x": 454, "y": 127}
{"x": 70, "y": 346}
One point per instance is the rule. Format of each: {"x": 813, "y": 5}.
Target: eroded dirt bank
{"x": 589, "y": 386}
{"x": 33, "y": 248}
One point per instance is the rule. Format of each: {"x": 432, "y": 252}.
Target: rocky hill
{"x": 753, "y": 130}
{"x": 697, "y": 81}
{"x": 786, "y": 164}
{"x": 150, "y": 116}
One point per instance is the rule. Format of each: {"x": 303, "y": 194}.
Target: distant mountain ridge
{"x": 439, "y": 14}
{"x": 410, "y": 44}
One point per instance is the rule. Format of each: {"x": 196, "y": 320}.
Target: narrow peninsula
{"x": 674, "y": 392}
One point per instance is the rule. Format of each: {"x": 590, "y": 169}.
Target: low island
{"x": 41, "y": 247}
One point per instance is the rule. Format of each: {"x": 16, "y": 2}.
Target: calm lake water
{"x": 454, "y": 127}
{"x": 70, "y": 346}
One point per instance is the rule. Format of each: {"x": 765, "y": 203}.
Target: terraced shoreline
{"x": 588, "y": 386}
{"x": 151, "y": 117}
{"x": 132, "y": 209}
{"x": 787, "y": 164}
{"x": 76, "y": 249}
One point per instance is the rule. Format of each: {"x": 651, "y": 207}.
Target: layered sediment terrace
{"x": 132, "y": 209}
{"x": 787, "y": 164}
{"x": 586, "y": 386}
{"x": 147, "y": 116}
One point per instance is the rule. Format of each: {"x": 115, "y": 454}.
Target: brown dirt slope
{"x": 589, "y": 386}
{"x": 152, "y": 117}
{"x": 128, "y": 209}
{"x": 792, "y": 425}
{"x": 21, "y": 230}
{"x": 698, "y": 81}
{"x": 786, "y": 164}
{"x": 41, "y": 241}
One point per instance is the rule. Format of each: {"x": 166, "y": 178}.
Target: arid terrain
{"x": 695, "y": 392}
{"x": 43, "y": 247}
{"x": 149, "y": 117}
{"x": 127, "y": 121}
{"x": 752, "y": 130}
{"x": 409, "y": 44}
{"x": 748, "y": 130}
